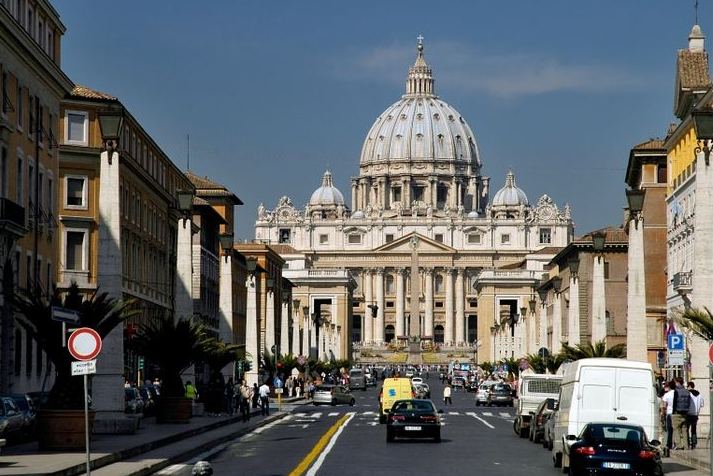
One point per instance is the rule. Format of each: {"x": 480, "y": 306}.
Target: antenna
{"x": 696, "y": 10}
{"x": 188, "y": 152}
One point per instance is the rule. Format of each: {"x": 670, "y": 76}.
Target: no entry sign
{"x": 84, "y": 344}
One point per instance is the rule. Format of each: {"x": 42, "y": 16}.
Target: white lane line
{"x": 486, "y": 414}
{"x": 368, "y": 413}
{"x": 304, "y": 427}
{"x": 300, "y": 414}
{"x": 505, "y": 415}
{"x": 333, "y": 414}
{"x": 481, "y": 420}
{"x": 316, "y": 415}
{"x": 453, "y": 413}
{"x": 318, "y": 464}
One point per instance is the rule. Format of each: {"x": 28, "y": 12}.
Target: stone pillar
{"x": 400, "y": 302}
{"x": 314, "y": 344}
{"x": 556, "y": 323}
{"x": 225, "y": 302}
{"x": 108, "y": 382}
{"x": 407, "y": 192}
{"x": 573, "y": 331}
{"x": 532, "y": 332}
{"x": 285, "y": 328}
{"x": 636, "y": 332}
{"x": 460, "y": 308}
{"x": 354, "y": 196}
{"x": 599, "y": 303}
{"x": 269, "y": 321}
{"x": 379, "y": 324}
{"x": 296, "y": 318}
{"x": 251, "y": 330}
{"x": 434, "y": 191}
{"x": 448, "y": 338}
{"x": 428, "y": 295}
{"x": 543, "y": 325}
{"x": 306, "y": 334}
{"x": 368, "y": 299}
{"x": 459, "y": 191}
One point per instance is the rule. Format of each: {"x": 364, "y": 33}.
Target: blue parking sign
{"x": 676, "y": 342}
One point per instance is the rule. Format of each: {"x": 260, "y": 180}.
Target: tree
{"x": 588, "y": 350}
{"x": 553, "y": 362}
{"x": 537, "y": 363}
{"x": 96, "y": 310}
{"x": 217, "y": 355}
{"x": 698, "y": 321}
{"x": 487, "y": 367}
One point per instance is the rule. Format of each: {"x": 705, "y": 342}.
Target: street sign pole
{"x": 86, "y": 423}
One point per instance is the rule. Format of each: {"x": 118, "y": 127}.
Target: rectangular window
{"x": 28, "y": 271}
{"x": 439, "y": 237}
{"x": 50, "y": 195}
{"x": 545, "y": 236}
{"x": 389, "y": 238}
{"x": 28, "y": 354}
{"x": 74, "y": 250}
{"x": 20, "y": 181}
{"x": 323, "y": 239}
{"x": 41, "y": 188}
{"x": 76, "y": 127}
{"x": 397, "y": 194}
{"x": 16, "y": 268}
{"x": 389, "y": 303}
{"x": 76, "y": 192}
{"x": 505, "y": 239}
{"x": 5, "y": 97}
{"x": 606, "y": 270}
{"x": 3, "y": 172}
{"x": 473, "y": 238}
{"x": 18, "y": 352}
{"x": 20, "y": 108}
{"x": 284, "y": 235}
{"x": 354, "y": 239}
{"x": 439, "y": 303}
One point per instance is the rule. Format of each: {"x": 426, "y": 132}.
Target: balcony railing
{"x": 683, "y": 281}
{"x": 12, "y": 216}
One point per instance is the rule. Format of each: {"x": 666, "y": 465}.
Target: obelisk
{"x": 415, "y": 308}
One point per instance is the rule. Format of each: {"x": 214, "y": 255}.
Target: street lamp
{"x": 556, "y": 284}
{"x": 185, "y": 204}
{"x": 110, "y": 122}
{"x": 598, "y": 240}
{"x": 635, "y": 198}
{"x": 532, "y": 303}
{"x": 703, "y": 124}
{"x": 251, "y": 265}
{"x": 226, "y": 244}
{"x": 573, "y": 264}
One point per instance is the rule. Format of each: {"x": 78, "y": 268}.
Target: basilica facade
{"x": 422, "y": 250}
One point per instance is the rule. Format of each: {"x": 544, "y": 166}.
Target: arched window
{"x": 356, "y": 328}
{"x": 439, "y": 284}
{"x": 389, "y": 333}
{"x": 438, "y": 334}
{"x": 389, "y": 284}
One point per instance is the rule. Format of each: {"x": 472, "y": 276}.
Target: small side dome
{"x": 327, "y": 195}
{"x": 510, "y": 195}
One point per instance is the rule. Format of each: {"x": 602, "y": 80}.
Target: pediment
{"x": 425, "y": 245}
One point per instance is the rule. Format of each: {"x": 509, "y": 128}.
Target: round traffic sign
{"x": 710, "y": 354}
{"x": 84, "y": 343}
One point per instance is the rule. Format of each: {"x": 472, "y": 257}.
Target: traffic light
{"x": 141, "y": 363}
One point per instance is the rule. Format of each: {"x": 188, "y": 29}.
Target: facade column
{"x": 225, "y": 302}
{"x": 251, "y": 330}
{"x": 383, "y": 186}
{"x": 314, "y": 345}
{"x": 296, "y": 318}
{"x": 532, "y": 332}
{"x": 407, "y": 192}
{"x": 368, "y": 299}
{"x": 269, "y": 321}
{"x": 354, "y": 196}
{"x": 599, "y": 303}
{"x": 306, "y": 334}
{"x": 434, "y": 191}
{"x": 573, "y": 331}
{"x": 285, "y": 328}
{"x": 636, "y": 338}
{"x": 452, "y": 194}
{"x": 379, "y": 324}
{"x": 459, "y": 189}
{"x": 448, "y": 338}
{"x": 400, "y": 302}
{"x": 543, "y": 325}
{"x": 460, "y": 308}
{"x": 556, "y": 323}
{"x": 428, "y": 295}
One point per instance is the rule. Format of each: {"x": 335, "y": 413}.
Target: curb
{"x": 127, "y": 453}
{"x": 682, "y": 457}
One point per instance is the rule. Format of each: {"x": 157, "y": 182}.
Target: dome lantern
{"x": 420, "y": 77}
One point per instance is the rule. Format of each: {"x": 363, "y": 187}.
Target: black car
{"x": 539, "y": 418}
{"x": 500, "y": 394}
{"x": 413, "y": 419}
{"x": 612, "y": 448}
{"x": 24, "y": 403}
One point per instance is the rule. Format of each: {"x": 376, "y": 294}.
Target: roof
{"x": 651, "y": 144}
{"x": 84, "y": 92}
{"x": 693, "y": 69}
{"x": 652, "y": 149}
{"x": 206, "y": 187}
{"x": 283, "y": 249}
{"x": 548, "y": 250}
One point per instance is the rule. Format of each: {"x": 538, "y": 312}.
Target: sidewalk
{"x": 698, "y": 458}
{"x": 158, "y": 446}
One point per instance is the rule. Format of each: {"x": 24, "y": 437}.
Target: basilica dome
{"x": 510, "y": 195}
{"x": 420, "y": 126}
{"x": 327, "y": 195}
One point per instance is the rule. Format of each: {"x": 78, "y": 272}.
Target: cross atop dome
{"x": 420, "y": 79}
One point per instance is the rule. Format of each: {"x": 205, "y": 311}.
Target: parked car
{"x": 333, "y": 395}
{"x": 532, "y": 390}
{"x": 500, "y": 394}
{"x": 548, "y": 430}
{"x": 133, "y": 403}
{"x": 481, "y": 398}
{"x": 413, "y": 419}
{"x": 24, "y": 403}
{"x": 538, "y": 419}
{"x": 612, "y": 447}
{"x": 12, "y": 421}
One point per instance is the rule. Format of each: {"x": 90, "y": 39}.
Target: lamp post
{"x": 599, "y": 303}
{"x": 185, "y": 204}
{"x": 542, "y": 292}
{"x": 636, "y": 342}
{"x": 110, "y": 124}
{"x": 573, "y": 329}
{"x": 226, "y": 244}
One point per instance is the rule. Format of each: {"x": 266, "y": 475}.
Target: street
{"x": 350, "y": 441}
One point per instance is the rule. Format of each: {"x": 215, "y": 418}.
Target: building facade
{"x": 32, "y": 85}
{"x": 420, "y": 230}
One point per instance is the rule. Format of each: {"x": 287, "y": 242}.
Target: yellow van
{"x": 396, "y": 388}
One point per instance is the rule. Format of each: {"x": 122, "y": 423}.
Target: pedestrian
{"x": 255, "y": 395}
{"x": 290, "y": 384}
{"x": 693, "y": 412}
{"x": 681, "y": 404}
{"x": 229, "y": 394}
{"x": 246, "y": 395}
{"x": 668, "y": 396}
{"x": 447, "y": 395}
{"x": 265, "y": 399}
{"x": 191, "y": 391}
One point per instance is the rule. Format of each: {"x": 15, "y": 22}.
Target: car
{"x": 612, "y": 447}
{"x": 416, "y": 380}
{"x": 533, "y": 389}
{"x": 410, "y": 372}
{"x": 12, "y": 421}
{"x": 415, "y": 418}
{"x": 422, "y": 390}
{"x": 357, "y": 379}
{"x": 548, "y": 430}
{"x": 500, "y": 394}
{"x": 370, "y": 380}
{"x": 481, "y": 398}
{"x": 333, "y": 395}
{"x": 24, "y": 403}
{"x": 538, "y": 420}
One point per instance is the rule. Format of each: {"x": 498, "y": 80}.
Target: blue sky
{"x": 274, "y": 92}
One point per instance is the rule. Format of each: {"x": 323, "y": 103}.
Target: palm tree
{"x": 536, "y": 363}
{"x": 487, "y": 367}
{"x": 96, "y": 310}
{"x": 587, "y": 350}
{"x": 699, "y": 322}
{"x": 217, "y": 355}
{"x": 553, "y": 362}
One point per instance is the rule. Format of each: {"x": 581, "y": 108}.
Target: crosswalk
{"x": 371, "y": 418}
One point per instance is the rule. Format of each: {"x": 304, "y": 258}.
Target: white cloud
{"x": 503, "y": 75}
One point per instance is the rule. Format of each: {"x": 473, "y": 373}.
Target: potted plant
{"x": 173, "y": 346}
{"x": 60, "y": 423}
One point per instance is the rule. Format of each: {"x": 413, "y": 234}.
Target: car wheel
{"x": 352, "y": 402}
{"x": 389, "y": 436}
{"x": 477, "y": 403}
{"x": 315, "y": 404}
{"x": 557, "y": 460}
{"x": 524, "y": 432}
{"x": 382, "y": 419}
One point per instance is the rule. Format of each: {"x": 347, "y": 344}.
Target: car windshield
{"x": 414, "y": 405}
{"x": 501, "y": 388}
{"x": 612, "y": 434}
{"x": 324, "y": 388}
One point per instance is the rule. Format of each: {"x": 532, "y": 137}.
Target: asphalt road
{"x": 343, "y": 440}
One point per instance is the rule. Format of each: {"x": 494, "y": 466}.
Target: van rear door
{"x": 597, "y": 398}
{"x": 635, "y": 398}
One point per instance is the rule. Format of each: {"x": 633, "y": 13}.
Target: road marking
{"x": 316, "y": 415}
{"x": 304, "y": 427}
{"x": 505, "y": 415}
{"x": 300, "y": 414}
{"x": 486, "y": 414}
{"x": 323, "y": 446}
{"x": 368, "y": 413}
{"x": 453, "y": 413}
{"x": 481, "y": 420}
{"x": 333, "y": 414}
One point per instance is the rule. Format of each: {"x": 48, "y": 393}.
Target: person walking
{"x": 667, "y": 398}
{"x": 255, "y": 395}
{"x": 265, "y": 399}
{"x": 290, "y": 384}
{"x": 191, "y": 391}
{"x": 229, "y": 394}
{"x": 681, "y": 405}
{"x": 246, "y": 394}
{"x": 447, "y": 395}
{"x": 693, "y": 412}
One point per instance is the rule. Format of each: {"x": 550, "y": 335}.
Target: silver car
{"x": 481, "y": 398}
{"x": 333, "y": 395}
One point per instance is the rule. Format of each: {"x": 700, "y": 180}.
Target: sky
{"x": 274, "y": 92}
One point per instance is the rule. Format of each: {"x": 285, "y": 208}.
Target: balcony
{"x": 683, "y": 282}
{"x": 12, "y": 217}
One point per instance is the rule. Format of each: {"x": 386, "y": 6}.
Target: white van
{"x": 604, "y": 390}
{"x": 532, "y": 390}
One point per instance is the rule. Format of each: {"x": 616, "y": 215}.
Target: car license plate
{"x": 611, "y": 465}
{"x": 412, "y": 428}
